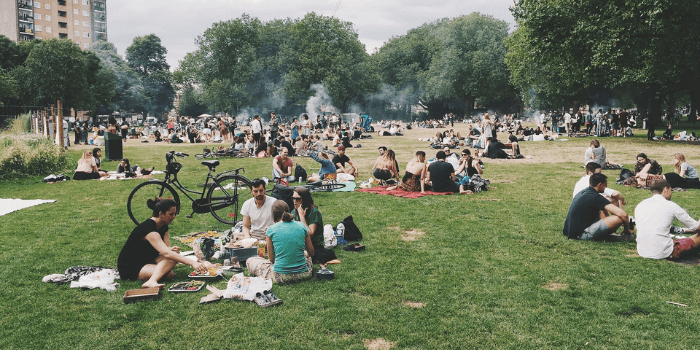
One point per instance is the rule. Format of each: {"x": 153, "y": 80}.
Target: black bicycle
{"x": 221, "y": 195}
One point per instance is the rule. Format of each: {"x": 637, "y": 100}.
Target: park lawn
{"x": 490, "y": 270}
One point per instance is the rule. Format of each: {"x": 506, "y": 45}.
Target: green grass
{"x": 480, "y": 269}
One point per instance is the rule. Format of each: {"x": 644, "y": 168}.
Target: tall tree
{"x": 129, "y": 91}
{"x": 146, "y": 56}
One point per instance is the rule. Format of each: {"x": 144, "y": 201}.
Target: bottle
{"x": 340, "y": 230}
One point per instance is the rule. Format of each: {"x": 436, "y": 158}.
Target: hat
{"x": 340, "y": 148}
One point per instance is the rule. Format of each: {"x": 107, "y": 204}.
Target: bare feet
{"x": 153, "y": 284}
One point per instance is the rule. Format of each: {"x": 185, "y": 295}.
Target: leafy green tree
{"x": 129, "y": 91}
{"x": 573, "y": 47}
{"x": 190, "y": 103}
{"x": 59, "y": 70}
{"x": 146, "y": 56}
{"x": 8, "y": 87}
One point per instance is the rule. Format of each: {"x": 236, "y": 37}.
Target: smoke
{"x": 244, "y": 116}
{"x": 320, "y": 103}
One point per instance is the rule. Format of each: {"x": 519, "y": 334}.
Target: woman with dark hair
{"x": 147, "y": 254}
{"x": 646, "y": 170}
{"x": 295, "y": 129}
{"x": 414, "y": 178}
{"x": 385, "y": 166}
{"x": 307, "y": 213}
{"x": 287, "y": 241}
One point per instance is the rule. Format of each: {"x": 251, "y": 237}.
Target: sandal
{"x": 357, "y": 247}
{"x": 274, "y": 300}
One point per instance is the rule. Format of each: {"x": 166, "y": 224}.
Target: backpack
{"x": 352, "y": 233}
{"x": 478, "y": 184}
{"x": 299, "y": 173}
{"x": 284, "y": 193}
{"x": 624, "y": 175}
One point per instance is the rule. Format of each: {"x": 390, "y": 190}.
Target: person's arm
{"x": 276, "y": 167}
{"x": 353, "y": 169}
{"x": 270, "y": 249}
{"x": 612, "y": 209}
{"x": 170, "y": 253}
{"x": 475, "y": 164}
{"x": 615, "y": 195}
{"x": 645, "y": 170}
{"x": 462, "y": 165}
{"x": 246, "y": 226}
{"x": 339, "y": 167}
{"x": 309, "y": 245}
{"x": 682, "y": 173}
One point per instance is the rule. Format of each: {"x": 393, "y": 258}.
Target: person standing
{"x": 274, "y": 126}
{"x": 256, "y": 126}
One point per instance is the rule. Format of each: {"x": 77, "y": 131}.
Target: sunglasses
{"x": 296, "y": 198}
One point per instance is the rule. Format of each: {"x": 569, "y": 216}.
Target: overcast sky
{"x": 179, "y": 22}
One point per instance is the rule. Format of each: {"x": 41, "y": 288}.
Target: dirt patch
{"x": 412, "y": 235}
{"x": 378, "y": 344}
{"x": 414, "y": 304}
{"x": 555, "y": 286}
{"x": 488, "y": 199}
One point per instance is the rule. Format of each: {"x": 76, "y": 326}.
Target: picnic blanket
{"x": 113, "y": 175}
{"x": 401, "y": 193}
{"x": 349, "y": 186}
{"x": 9, "y": 205}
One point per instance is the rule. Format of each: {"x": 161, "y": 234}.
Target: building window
{"x": 62, "y": 13}
{"x": 86, "y": 24}
{"x": 86, "y": 14}
{"x": 38, "y": 28}
{"x": 48, "y": 18}
{"x": 86, "y": 34}
{"x": 76, "y": 33}
{"x": 47, "y": 6}
{"x": 48, "y": 29}
{"x": 76, "y": 12}
{"x": 62, "y": 35}
{"x": 62, "y": 25}
{"x": 37, "y": 4}
{"x": 86, "y": 2}
{"x": 62, "y": 2}
{"x": 76, "y": 22}
{"x": 37, "y": 16}
{"x": 75, "y": 1}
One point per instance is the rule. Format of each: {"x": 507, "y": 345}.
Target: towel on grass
{"x": 9, "y": 205}
{"x": 401, "y": 193}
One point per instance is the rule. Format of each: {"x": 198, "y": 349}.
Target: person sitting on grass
{"x": 327, "y": 171}
{"x": 125, "y": 167}
{"x": 654, "y": 231}
{"x": 256, "y": 211}
{"x": 87, "y": 170}
{"x": 588, "y": 217}
{"x": 414, "y": 178}
{"x": 307, "y": 213}
{"x": 615, "y": 197}
{"x": 646, "y": 170}
{"x": 385, "y": 166}
{"x": 687, "y": 176}
{"x": 289, "y": 249}
{"x": 441, "y": 175}
{"x": 282, "y": 166}
{"x": 97, "y": 154}
{"x": 468, "y": 165}
{"x": 147, "y": 254}
{"x": 343, "y": 164}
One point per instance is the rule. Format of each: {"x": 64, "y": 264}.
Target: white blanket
{"x": 9, "y": 205}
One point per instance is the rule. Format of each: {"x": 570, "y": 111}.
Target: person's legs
{"x": 152, "y": 273}
{"x": 260, "y": 267}
{"x": 684, "y": 245}
{"x": 602, "y": 228}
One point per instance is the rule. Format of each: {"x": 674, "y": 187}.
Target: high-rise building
{"x": 81, "y": 21}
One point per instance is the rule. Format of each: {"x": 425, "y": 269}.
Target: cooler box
{"x": 242, "y": 253}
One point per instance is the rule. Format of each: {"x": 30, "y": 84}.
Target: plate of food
{"x": 211, "y": 272}
{"x": 191, "y": 286}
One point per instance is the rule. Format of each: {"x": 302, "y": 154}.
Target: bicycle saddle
{"x": 211, "y": 163}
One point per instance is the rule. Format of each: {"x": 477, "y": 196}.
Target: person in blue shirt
{"x": 328, "y": 170}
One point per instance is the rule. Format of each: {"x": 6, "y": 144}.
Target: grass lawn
{"x": 490, "y": 270}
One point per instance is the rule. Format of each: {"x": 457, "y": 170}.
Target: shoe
{"x": 261, "y": 300}
{"x": 272, "y": 298}
{"x": 357, "y": 247}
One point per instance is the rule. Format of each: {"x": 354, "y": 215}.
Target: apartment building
{"x": 81, "y": 21}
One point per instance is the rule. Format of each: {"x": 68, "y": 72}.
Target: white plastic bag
{"x": 329, "y": 240}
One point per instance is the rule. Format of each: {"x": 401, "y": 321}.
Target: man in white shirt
{"x": 256, "y": 126}
{"x": 567, "y": 123}
{"x": 615, "y": 197}
{"x": 655, "y": 215}
{"x": 541, "y": 121}
{"x": 257, "y": 211}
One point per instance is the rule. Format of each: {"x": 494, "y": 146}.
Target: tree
{"x": 8, "y": 87}
{"x": 59, "y": 70}
{"x": 129, "y": 91}
{"x": 470, "y": 61}
{"x": 190, "y": 103}
{"x": 146, "y": 56}
{"x": 570, "y": 47}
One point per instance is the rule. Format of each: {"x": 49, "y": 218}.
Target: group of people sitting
{"x": 90, "y": 167}
{"x": 447, "y": 173}
{"x": 283, "y": 166}
{"x": 294, "y": 239}
{"x": 596, "y": 213}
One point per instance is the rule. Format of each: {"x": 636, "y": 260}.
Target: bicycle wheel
{"x": 136, "y": 204}
{"x": 226, "y": 195}
{"x": 327, "y": 187}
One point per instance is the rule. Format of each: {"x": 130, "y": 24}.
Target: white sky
{"x": 179, "y": 22}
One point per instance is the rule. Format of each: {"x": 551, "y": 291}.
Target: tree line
{"x": 562, "y": 54}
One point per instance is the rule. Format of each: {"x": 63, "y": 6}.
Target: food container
{"x": 242, "y": 253}
{"x": 186, "y": 287}
{"x": 133, "y": 295}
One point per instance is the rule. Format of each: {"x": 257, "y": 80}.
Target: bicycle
{"x": 207, "y": 153}
{"x": 220, "y": 196}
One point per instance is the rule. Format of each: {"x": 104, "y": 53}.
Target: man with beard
{"x": 257, "y": 211}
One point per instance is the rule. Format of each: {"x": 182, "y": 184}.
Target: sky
{"x": 179, "y": 22}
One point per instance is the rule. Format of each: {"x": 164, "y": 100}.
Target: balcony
{"x": 62, "y": 2}
{"x": 62, "y": 36}
{"x": 26, "y": 18}
{"x": 62, "y": 25}
{"x": 62, "y": 13}
{"x": 24, "y": 5}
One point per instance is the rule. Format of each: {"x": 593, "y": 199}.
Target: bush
{"x": 25, "y": 155}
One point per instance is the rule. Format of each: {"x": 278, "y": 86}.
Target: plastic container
{"x": 340, "y": 234}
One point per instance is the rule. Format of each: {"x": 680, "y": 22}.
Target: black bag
{"x": 323, "y": 255}
{"x": 352, "y": 233}
{"x": 300, "y": 173}
{"x": 624, "y": 175}
{"x": 284, "y": 193}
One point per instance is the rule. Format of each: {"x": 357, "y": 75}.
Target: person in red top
{"x": 282, "y": 166}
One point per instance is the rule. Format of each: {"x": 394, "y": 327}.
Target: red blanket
{"x": 401, "y": 193}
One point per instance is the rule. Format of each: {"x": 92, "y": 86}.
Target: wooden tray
{"x": 133, "y": 295}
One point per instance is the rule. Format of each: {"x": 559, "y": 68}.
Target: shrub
{"x": 27, "y": 155}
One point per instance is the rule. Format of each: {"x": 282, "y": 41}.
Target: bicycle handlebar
{"x": 179, "y": 154}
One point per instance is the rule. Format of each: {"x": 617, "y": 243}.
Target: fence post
{"x": 59, "y": 107}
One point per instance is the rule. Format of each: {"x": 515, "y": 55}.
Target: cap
{"x": 340, "y": 148}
